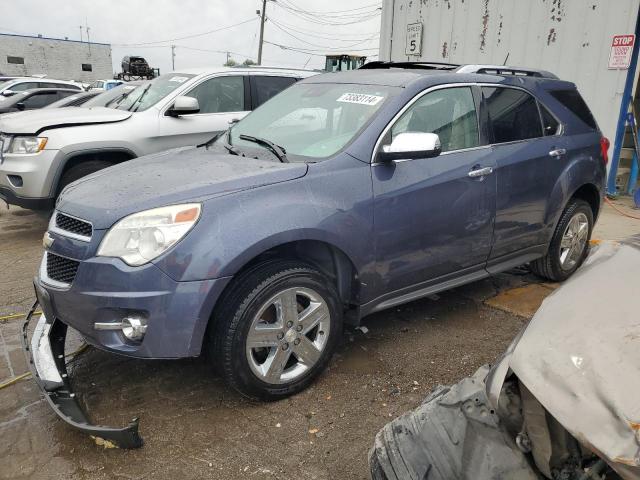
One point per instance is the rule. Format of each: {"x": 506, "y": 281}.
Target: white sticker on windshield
{"x": 178, "y": 79}
{"x": 361, "y": 98}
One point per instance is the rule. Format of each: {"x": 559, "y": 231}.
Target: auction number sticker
{"x": 179, "y": 79}
{"x": 361, "y": 98}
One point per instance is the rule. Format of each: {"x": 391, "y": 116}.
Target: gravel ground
{"x": 194, "y": 426}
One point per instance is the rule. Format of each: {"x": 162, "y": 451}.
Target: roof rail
{"x": 418, "y": 65}
{"x": 505, "y": 70}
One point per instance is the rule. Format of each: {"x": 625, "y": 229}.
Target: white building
{"x": 571, "y": 38}
{"x": 55, "y": 58}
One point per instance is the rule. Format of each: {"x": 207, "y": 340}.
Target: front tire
{"x": 569, "y": 245}
{"x": 276, "y": 329}
{"x": 81, "y": 170}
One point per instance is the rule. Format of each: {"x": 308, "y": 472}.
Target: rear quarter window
{"x": 574, "y": 102}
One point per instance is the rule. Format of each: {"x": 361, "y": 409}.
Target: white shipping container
{"x": 571, "y": 38}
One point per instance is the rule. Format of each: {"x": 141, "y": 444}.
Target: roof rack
{"x": 419, "y": 65}
{"x": 505, "y": 70}
{"x": 487, "y": 69}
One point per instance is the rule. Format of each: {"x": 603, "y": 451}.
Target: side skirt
{"x": 448, "y": 282}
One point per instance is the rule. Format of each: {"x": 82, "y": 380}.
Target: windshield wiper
{"x": 211, "y": 140}
{"x": 229, "y": 148}
{"x": 277, "y": 150}
{"x": 138, "y": 100}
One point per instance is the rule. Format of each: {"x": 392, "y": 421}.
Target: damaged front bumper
{"x": 46, "y": 360}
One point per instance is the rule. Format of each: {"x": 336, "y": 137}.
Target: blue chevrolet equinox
{"x": 346, "y": 194}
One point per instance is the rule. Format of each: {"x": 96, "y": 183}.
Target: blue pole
{"x": 633, "y": 176}
{"x": 624, "y": 108}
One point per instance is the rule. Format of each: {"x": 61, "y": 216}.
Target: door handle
{"x": 481, "y": 172}
{"x": 558, "y": 152}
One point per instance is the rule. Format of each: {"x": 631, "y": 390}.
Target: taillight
{"x": 604, "y": 149}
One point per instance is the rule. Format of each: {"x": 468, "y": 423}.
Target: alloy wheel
{"x": 574, "y": 241}
{"x": 288, "y": 335}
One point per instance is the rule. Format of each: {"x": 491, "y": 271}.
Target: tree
{"x": 230, "y": 63}
{"x": 248, "y": 62}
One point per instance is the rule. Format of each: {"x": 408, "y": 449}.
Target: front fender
{"x": 332, "y": 204}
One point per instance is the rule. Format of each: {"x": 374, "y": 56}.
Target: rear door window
{"x": 264, "y": 87}
{"x": 513, "y": 114}
{"x": 574, "y": 102}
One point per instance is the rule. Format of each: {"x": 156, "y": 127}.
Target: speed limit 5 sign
{"x": 414, "y": 39}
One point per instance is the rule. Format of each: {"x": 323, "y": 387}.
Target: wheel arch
{"x": 113, "y": 155}
{"x": 326, "y": 257}
{"x": 323, "y": 255}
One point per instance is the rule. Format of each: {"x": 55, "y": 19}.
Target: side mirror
{"x": 20, "y": 106}
{"x": 183, "y": 106}
{"x": 411, "y": 145}
{"x": 8, "y": 93}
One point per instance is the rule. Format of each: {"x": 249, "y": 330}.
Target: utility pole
{"x": 81, "y": 33}
{"x": 262, "y": 18}
{"x": 228, "y": 57}
{"x": 173, "y": 57}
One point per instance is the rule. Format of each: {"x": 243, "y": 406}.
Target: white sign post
{"x": 414, "y": 39}
{"x": 621, "y": 51}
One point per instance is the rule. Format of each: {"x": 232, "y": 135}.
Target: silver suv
{"x": 43, "y": 151}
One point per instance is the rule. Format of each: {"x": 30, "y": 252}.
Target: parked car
{"x": 33, "y": 99}
{"x": 75, "y": 100}
{"x": 559, "y": 404}
{"x": 174, "y": 110}
{"x": 14, "y": 85}
{"x": 104, "y": 85}
{"x": 346, "y": 194}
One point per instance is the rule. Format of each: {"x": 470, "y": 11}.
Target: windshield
{"x": 313, "y": 120}
{"x": 109, "y": 97}
{"x": 4, "y": 83}
{"x": 146, "y": 96}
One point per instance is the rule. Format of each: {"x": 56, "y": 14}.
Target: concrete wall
{"x": 571, "y": 38}
{"x": 60, "y": 59}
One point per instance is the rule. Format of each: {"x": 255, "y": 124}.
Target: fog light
{"x": 134, "y": 328}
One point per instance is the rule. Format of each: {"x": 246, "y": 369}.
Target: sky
{"x": 130, "y": 27}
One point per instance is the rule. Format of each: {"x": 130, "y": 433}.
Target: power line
{"x": 336, "y": 11}
{"x": 313, "y": 51}
{"x": 320, "y": 46}
{"x": 310, "y": 33}
{"x": 318, "y": 21}
{"x": 327, "y": 19}
{"x": 355, "y": 12}
{"x": 186, "y": 37}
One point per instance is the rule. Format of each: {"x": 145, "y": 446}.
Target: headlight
{"x": 141, "y": 237}
{"x": 27, "y": 145}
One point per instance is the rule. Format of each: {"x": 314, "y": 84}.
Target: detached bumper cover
{"x": 45, "y": 357}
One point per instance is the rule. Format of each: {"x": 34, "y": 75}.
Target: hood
{"x": 580, "y": 355}
{"x": 171, "y": 177}
{"x": 33, "y": 122}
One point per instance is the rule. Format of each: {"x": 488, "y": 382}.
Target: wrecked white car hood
{"x": 32, "y": 122}
{"x": 580, "y": 355}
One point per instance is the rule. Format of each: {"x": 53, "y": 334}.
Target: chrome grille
{"x": 61, "y": 269}
{"x": 73, "y": 225}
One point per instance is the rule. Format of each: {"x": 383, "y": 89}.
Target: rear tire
{"x": 81, "y": 170}
{"x": 569, "y": 245}
{"x": 276, "y": 329}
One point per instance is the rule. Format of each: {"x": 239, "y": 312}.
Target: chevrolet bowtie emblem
{"x": 47, "y": 240}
